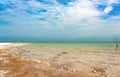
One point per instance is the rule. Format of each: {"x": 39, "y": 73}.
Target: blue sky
{"x": 59, "y": 20}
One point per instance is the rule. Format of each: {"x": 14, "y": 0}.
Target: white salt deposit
{"x": 2, "y": 45}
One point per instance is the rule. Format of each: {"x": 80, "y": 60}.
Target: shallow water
{"x": 72, "y": 46}
{"x": 46, "y": 50}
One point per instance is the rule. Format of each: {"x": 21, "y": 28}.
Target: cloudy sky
{"x": 59, "y": 20}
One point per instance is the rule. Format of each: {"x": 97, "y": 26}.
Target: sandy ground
{"x": 18, "y": 61}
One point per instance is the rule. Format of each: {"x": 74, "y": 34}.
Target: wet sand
{"x": 17, "y": 60}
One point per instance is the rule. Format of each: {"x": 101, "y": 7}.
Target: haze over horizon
{"x": 59, "y": 20}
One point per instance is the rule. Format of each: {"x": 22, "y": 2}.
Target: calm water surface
{"x": 93, "y": 46}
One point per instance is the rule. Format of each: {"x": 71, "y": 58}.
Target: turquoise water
{"x": 93, "y": 46}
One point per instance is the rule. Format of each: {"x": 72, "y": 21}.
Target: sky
{"x": 59, "y": 20}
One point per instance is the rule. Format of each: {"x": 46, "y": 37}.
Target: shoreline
{"x": 18, "y": 60}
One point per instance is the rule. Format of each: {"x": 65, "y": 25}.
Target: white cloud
{"x": 105, "y": 2}
{"x": 110, "y": 2}
{"x": 108, "y": 9}
{"x": 35, "y": 4}
{"x": 78, "y": 11}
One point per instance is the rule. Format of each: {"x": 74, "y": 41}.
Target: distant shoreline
{"x": 58, "y": 42}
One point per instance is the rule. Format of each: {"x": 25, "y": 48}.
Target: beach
{"x": 63, "y": 60}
